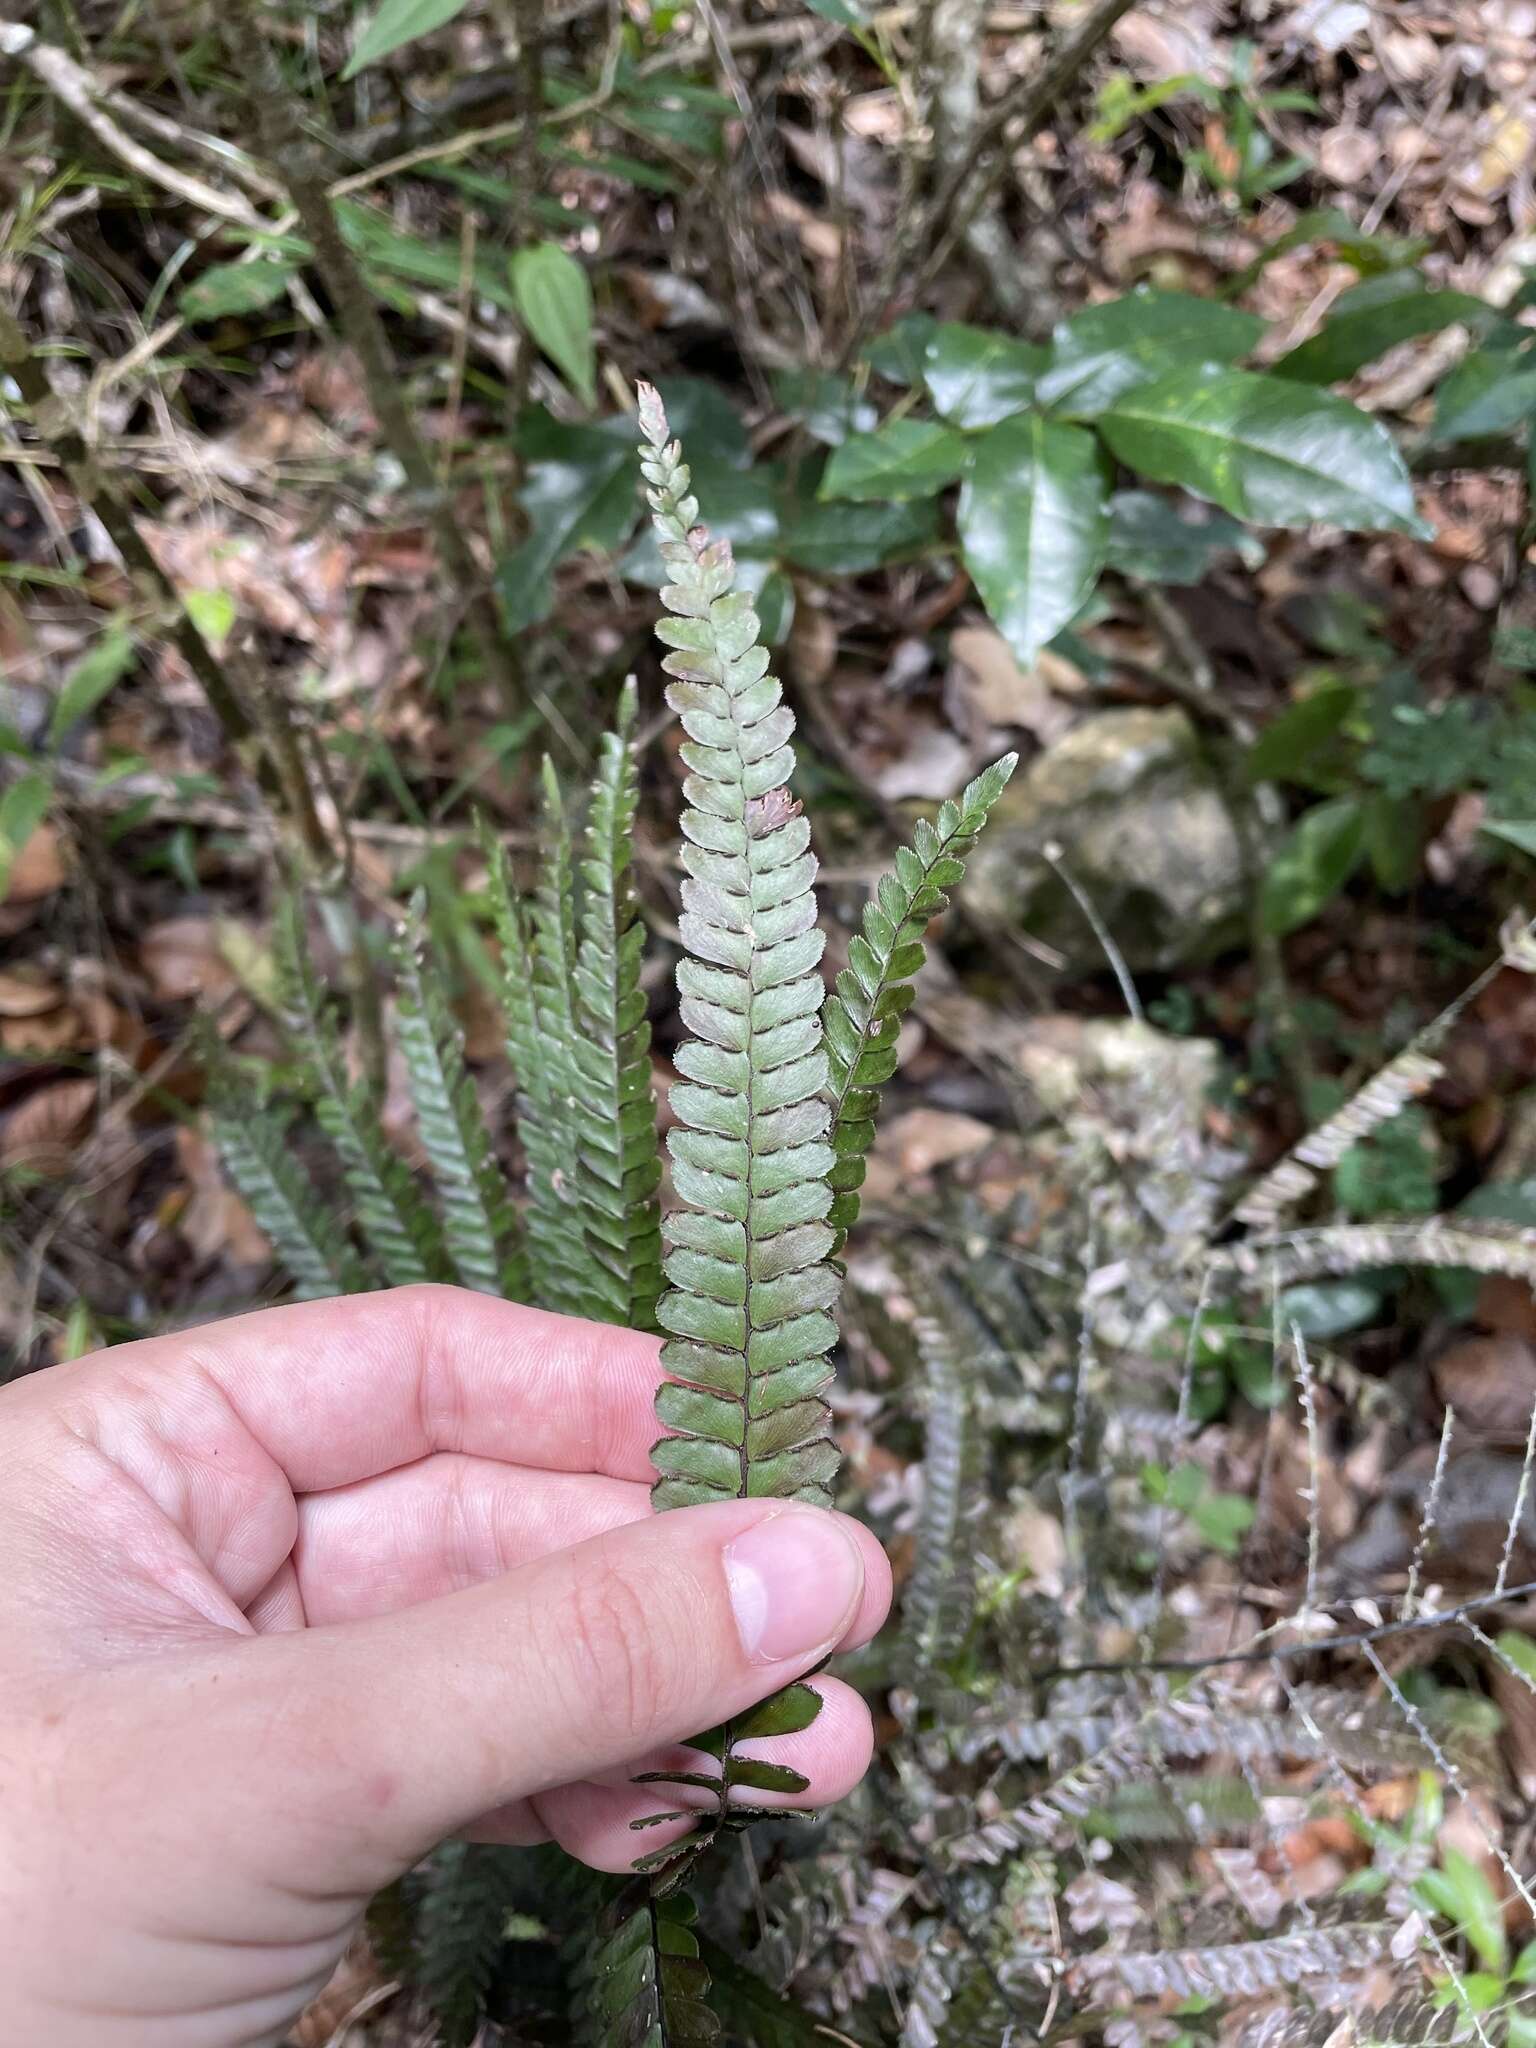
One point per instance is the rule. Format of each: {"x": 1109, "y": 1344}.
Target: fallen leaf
{"x": 1000, "y": 692}
{"x": 922, "y": 1139}
{"x": 41, "y": 1131}
{"x": 26, "y": 991}
{"x": 1491, "y": 1384}
{"x": 182, "y": 958}
{"x": 38, "y": 868}
{"x": 934, "y": 765}
{"x": 1346, "y": 155}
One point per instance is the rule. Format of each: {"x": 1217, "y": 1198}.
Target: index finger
{"x": 340, "y": 1390}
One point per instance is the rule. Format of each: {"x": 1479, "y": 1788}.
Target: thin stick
{"x": 74, "y": 88}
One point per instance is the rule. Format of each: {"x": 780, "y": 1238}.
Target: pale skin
{"x": 287, "y": 1600}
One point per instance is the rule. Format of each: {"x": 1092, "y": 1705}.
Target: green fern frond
{"x": 259, "y": 1157}
{"x": 401, "y": 1232}
{"x": 644, "y": 1985}
{"x": 616, "y": 1152}
{"x": 749, "y": 1311}
{"x": 480, "y": 1229}
{"x": 939, "y": 1598}
{"x": 460, "y": 1931}
{"x": 863, "y": 1017}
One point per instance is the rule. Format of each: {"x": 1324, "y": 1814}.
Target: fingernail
{"x": 794, "y": 1580}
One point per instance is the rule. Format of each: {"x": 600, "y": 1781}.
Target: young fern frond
{"x": 644, "y": 1984}
{"x": 306, "y": 1236}
{"x": 398, "y": 1226}
{"x": 749, "y": 1309}
{"x": 863, "y": 1017}
{"x": 562, "y": 1269}
{"x": 481, "y": 1232}
{"x": 618, "y": 1166}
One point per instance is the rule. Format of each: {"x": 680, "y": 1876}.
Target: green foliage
{"x": 1034, "y": 526}
{"x": 257, "y": 1151}
{"x": 554, "y": 301}
{"x": 863, "y": 1016}
{"x": 459, "y": 1934}
{"x": 751, "y": 1290}
{"x": 23, "y": 806}
{"x": 642, "y": 1983}
{"x": 395, "y": 23}
{"x": 480, "y": 1230}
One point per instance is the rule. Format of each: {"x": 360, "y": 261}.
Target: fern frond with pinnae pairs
{"x": 395, "y": 1221}
{"x": 480, "y": 1230}
{"x": 618, "y": 1166}
{"x": 863, "y": 1016}
{"x": 258, "y": 1153}
{"x": 938, "y": 1600}
{"x": 749, "y": 1307}
{"x": 643, "y": 1984}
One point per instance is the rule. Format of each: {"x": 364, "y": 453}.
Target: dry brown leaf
{"x": 41, "y": 1131}
{"x": 935, "y": 764}
{"x": 1346, "y": 155}
{"x": 183, "y": 958}
{"x": 38, "y": 868}
{"x": 1002, "y": 693}
{"x": 26, "y": 991}
{"x": 1491, "y": 1384}
{"x": 922, "y": 1139}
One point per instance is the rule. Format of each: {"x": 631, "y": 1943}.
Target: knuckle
{"x": 617, "y": 1657}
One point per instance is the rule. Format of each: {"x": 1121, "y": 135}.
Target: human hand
{"x": 289, "y": 1599}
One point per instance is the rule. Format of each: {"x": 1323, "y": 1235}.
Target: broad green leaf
{"x": 828, "y": 404}
{"x": 903, "y": 459}
{"x": 1265, "y": 449}
{"x": 212, "y": 612}
{"x": 395, "y": 23}
{"x": 1517, "y": 832}
{"x": 1289, "y": 743}
{"x": 1367, "y": 254}
{"x": 1477, "y": 1911}
{"x": 229, "y": 288}
{"x": 1521, "y": 1651}
{"x": 90, "y": 679}
{"x": 1372, "y": 318}
{"x": 976, "y": 377}
{"x": 1394, "y": 840}
{"x": 1033, "y": 524}
{"x": 901, "y": 352}
{"x": 1324, "y": 849}
{"x": 23, "y": 806}
{"x": 1108, "y": 349}
{"x": 839, "y": 11}
{"x": 577, "y": 494}
{"x": 846, "y": 539}
{"x": 1492, "y": 392}
{"x": 554, "y": 302}
{"x": 1150, "y": 538}
{"x": 1324, "y": 1309}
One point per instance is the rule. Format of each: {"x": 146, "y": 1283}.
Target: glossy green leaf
{"x": 225, "y": 289}
{"x": 1266, "y": 449}
{"x": 577, "y": 494}
{"x": 1322, "y": 852}
{"x": 1111, "y": 348}
{"x": 905, "y": 458}
{"x": 1517, "y": 832}
{"x": 1152, "y": 540}
{"x": 840, "y": 11}
{"x": 1290, "y": 743}
{"x": 899, "y": 354}
{"x": 1034, "y": 526}
{"x": 1492, "y": 392}
{"x": 394, "y": 24}
{"x": 97, "y": 670}
{"x": 1373, "y": 317}
{"x": 829, "y": 405}
{"x": 393, "y": 252}
{"x": 848, "y": 539}
{"x": 554, "y": 301}
{"x": 976, "y": 376}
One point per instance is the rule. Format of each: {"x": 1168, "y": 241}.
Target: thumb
{"x": 579, "y": 1662}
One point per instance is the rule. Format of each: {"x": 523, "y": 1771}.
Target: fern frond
{"x": 480, "y": 1230}
{"x": 1398, "y": 1083}
{"x": 399, "y": 1227}
{"x": 259, "y": 1158}
{"x": 460, "y": 1931}
{"x": 938, "y": 1599}
{"x": 863, "y": 1016}
{"x": 749, "y": 1310}
{"x": 1239, "y": 1969}
{"x": 643, "y": 1985}
{"x": 616, "y": 1152}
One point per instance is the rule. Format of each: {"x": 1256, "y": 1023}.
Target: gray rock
{"x": 1130, "y": 802}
